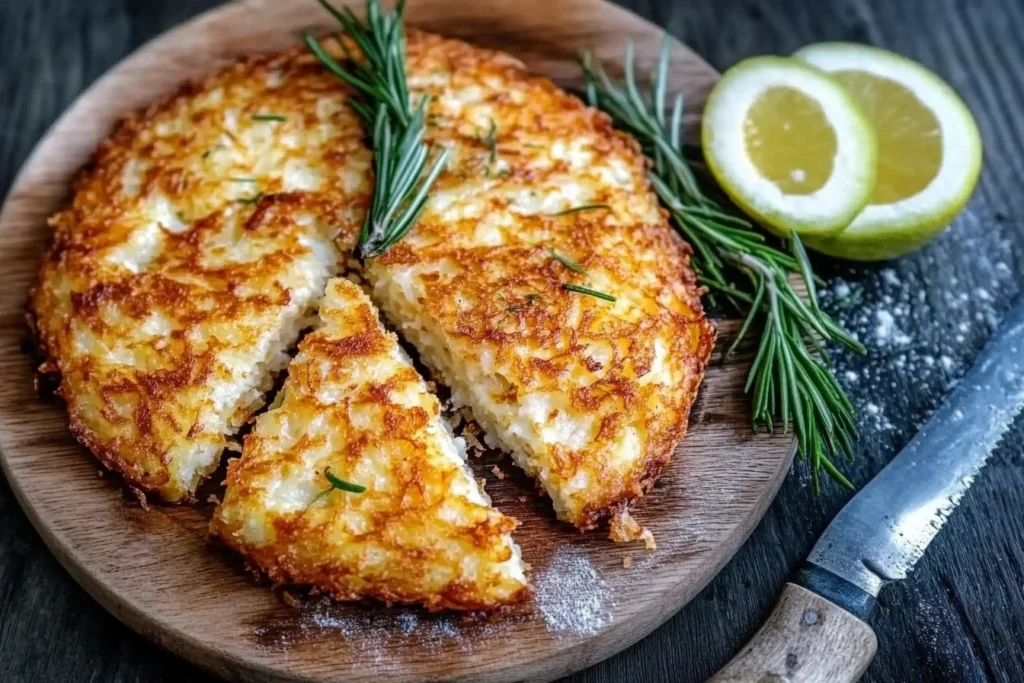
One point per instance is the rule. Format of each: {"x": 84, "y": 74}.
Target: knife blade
{"x": 881, "y": 534}
{"x": 818, "y": 631}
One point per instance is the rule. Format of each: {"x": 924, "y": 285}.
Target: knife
{"x": 819, "y": 631}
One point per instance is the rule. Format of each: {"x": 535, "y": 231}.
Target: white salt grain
{"x": 886, "y": 331}
{"x": 886, "y": 324}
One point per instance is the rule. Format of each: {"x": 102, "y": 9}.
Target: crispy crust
{"x": 421, "y": 533}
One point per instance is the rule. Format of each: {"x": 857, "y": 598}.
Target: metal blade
{"x": 884, "y": 530}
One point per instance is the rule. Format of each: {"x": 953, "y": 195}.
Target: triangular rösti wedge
{"x": 422, "y": 531}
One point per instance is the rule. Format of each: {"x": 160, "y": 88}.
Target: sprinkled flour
{"x": 921, "y": 324}
{"x": 571, "y": 599}
{"x": 571, "y": 596}
{"x": 886, "y": 332}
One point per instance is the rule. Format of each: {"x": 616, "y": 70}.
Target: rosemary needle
{"x": 588, "y": 291}
{"x": 567, "y": 262}
{"x": 338, "y": 483}
{"x": 490, "y": 141}
{"x": 790, "y": 384}
{"x": 268, "y": 117}
{"x": 341, "y": 484}
{"x": 251, "y": 200}
{"x": 577, "y": 209}
{"x": 402, "y": 169}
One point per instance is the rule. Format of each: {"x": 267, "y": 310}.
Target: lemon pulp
{"x": 790, "y": 141}
{"x": 908, "y": 134}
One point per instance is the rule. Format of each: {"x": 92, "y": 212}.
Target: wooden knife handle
{"x": 807, "y": 639}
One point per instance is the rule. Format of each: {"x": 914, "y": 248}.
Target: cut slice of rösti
{"x": 590, "y": 396}
{"x": 354, "y": 409}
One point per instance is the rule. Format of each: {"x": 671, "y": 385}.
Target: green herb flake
{"x": 529, "y": 300}
{"x": 269, "y": 117}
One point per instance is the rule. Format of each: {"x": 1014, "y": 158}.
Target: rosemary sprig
{"x": 402, "y": 168}
{"x": 588, "y": 291}
{"x": 790, "y": 380}
{"x": 338, "y": 483}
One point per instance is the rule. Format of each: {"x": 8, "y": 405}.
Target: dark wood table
{"x": 924, "y": 317}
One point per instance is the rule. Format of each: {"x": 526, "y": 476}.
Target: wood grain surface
{"x": 961, "y": 615}
{"x": 157, "y": 571}
{"x": 807, "y": 639}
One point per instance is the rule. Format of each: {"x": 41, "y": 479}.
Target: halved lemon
{"x": 789, "y": 146}
{"x": 929, "y": 150}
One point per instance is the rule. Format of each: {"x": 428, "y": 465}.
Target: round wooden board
{"x": 157, "y": 571}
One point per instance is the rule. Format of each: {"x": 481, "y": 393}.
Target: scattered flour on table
{"x": 886, "y": 332}
{"x": 571, "y": 596}
{"x": 890, "y": 277}
{"x": 921, "y": 323}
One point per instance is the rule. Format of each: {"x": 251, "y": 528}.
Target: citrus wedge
{"x": 929, "y": 150}
{"x": 789, "y": 146}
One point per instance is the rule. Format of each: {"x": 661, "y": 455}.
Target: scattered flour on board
{"x": 571, "y": 596}
{"x": 378, "y": 635}
{"x": 571, "y": 599}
